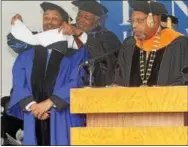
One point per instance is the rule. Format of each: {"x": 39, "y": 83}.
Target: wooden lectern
{"x": 131, "y": 116}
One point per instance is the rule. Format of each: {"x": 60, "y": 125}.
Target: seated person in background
{"x": 9, "y": 124}
{"x": 169, "y": 21}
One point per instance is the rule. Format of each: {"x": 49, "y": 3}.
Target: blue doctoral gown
{"x": 60, "y": 121}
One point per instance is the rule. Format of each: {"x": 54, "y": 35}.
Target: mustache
{"x": 137, "y": 31}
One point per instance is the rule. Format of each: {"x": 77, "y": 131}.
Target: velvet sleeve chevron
{"x": 17, "y": 45}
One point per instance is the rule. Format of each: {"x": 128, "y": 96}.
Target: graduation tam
{"x": 91, "y": 6}
{"x": 50, "y": 6}
{"x": 150, "y": 8}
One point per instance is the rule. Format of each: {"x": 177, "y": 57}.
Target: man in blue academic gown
{"x": 42, "y": 78}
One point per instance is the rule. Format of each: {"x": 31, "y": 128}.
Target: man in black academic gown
{"x": 91, "y": 19}
{"x": 154, "y": 56}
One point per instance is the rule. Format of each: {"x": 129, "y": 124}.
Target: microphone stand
{"x": 185, "y": 75}
{"x": 91, "y": 67}
{"x": 130, "y": 41}
{"x": 91, "y": 70}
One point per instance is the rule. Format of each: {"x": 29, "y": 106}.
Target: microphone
{"x": 129, "y": 41}
{"x": 98, "y": 58}
{"x": 185, "y": 75}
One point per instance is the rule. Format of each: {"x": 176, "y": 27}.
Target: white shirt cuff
{"x": 29, "y": 105}
{"x": 83, "y": 38}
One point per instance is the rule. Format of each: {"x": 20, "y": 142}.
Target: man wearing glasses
{"x": 155, "y": 56}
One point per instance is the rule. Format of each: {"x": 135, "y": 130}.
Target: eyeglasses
{"x": 138, "y": 20}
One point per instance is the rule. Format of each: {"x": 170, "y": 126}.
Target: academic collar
{"x": 62, "y": 48}
{"x": 167, "y": 36}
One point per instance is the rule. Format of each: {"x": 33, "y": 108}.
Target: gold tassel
{"x": 169, "y": 23}
{"x": 150, "y": 21}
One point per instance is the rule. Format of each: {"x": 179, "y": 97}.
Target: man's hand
{"x": 16, "y": 17}
{"x": 45, "y": 116}
{"x": 69, "y": 29}
{"x": 115, "y": 85}
{"x": 39, "y": 110}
